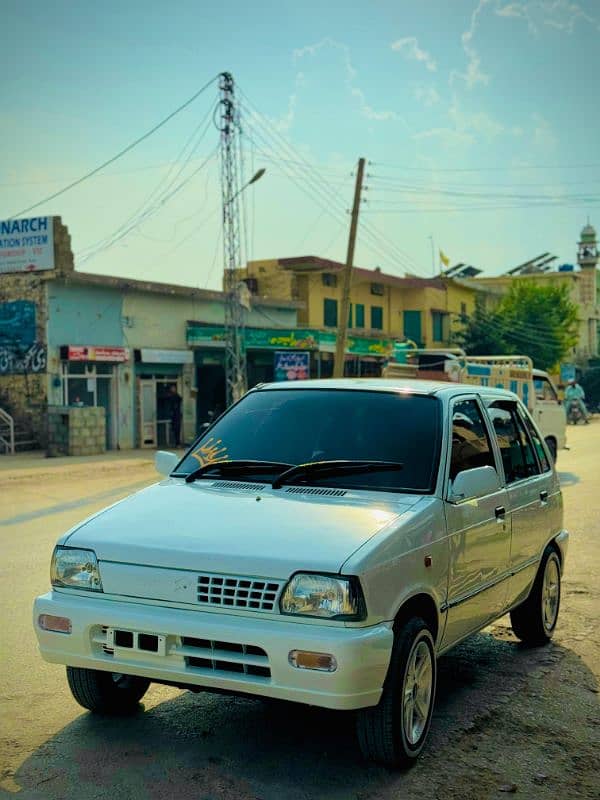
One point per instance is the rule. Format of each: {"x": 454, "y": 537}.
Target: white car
{"x": 323, "y": 542}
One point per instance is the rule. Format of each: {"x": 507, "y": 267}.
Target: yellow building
{"x": 424, "y": 310}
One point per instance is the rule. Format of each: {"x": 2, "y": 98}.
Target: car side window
{"x": 536, "y": 439}
{"x": 471, "y": 445}
{"x": 518, "y": 457}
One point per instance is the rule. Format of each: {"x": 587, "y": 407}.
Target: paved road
{"x": 506, "y": 718}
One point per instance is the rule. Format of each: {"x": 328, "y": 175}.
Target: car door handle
{"x": 544, "y": 497}
{"x": 500, "y": 513}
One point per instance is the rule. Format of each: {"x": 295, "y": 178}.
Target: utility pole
{"x": 235, "y": 353}
{"x": 340, "y": 346}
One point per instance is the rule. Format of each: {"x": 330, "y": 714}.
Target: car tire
{"x": 534, "y": 621}
{"x": 551, "y": 445}
{"x": 106, "y": 692}
{"x": 393, "y": 732}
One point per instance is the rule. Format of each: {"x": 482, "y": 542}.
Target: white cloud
{"x": 409, "y": 47}
{"x": 473, "y": 73}
{"x": 427, "y": 95}
{"x": 350, "y": 74}
{"x": 511, "y": 10}
{"x": 562, "y": 15}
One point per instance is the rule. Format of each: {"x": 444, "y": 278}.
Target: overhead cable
{"x": 120, "y": 154}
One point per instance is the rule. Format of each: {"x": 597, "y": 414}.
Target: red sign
{"x": 84, "y": 353}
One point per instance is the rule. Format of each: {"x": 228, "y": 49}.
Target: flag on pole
{"x": 444, "y": 258}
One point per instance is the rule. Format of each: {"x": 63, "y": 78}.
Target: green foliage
{"x": 538, "y": 321}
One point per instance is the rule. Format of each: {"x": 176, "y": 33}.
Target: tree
{"x": 533, "y": 320}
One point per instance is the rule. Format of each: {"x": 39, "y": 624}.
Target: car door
{"x": 533, "y": 494}
{"x": 478, "y": 529}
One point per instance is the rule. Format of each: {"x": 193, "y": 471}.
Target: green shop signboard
{"x": 293, "y": 339}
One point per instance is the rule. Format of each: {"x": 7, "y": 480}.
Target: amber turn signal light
{"x": 48, "y": 622}
{"x": 304, "y": 659}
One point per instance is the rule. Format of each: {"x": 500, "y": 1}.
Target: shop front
{"x": 161, "y": 399}
{"x": 88, "y": 376}
{"x": 273, "y": 355}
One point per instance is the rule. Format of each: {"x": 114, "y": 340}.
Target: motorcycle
{"x": 574, "y": 412}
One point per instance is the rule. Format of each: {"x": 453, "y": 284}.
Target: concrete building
{"x": 75, "y": 339}
{"x": 384, "y": 308}
{"x": 583, "y": 286}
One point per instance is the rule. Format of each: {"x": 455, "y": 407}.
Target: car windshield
{"x": 298, "y": 426}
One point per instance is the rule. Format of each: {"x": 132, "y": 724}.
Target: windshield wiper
{"x": 323, "y": 469}
{"x": 239, "y": 467}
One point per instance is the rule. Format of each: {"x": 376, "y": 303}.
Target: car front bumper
{"x": 216, "y": 650}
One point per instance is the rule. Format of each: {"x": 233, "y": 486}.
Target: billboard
{"x": 26, "y": 245}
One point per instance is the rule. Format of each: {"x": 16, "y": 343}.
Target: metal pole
{"x": 340, "y": 345}
{"x": 235, "y": 353}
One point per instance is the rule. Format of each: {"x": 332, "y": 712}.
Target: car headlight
{"x": 77, "y": 569}
{"x": 325, "y": 596}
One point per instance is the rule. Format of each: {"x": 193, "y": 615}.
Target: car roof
{"x": 407, "y": 386}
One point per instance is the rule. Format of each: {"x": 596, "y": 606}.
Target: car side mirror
{"x": 165, "y": 462}
{"x": 471, "y": 483}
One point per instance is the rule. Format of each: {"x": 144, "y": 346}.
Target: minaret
{"x": 587, "y": 258}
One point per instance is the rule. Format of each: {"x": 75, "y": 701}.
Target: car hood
{"x": 245, "y": 529}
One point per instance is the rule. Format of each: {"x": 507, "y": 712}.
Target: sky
{"x": 478, "y": 119}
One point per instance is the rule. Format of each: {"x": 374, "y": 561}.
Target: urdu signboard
{"x": 26, "y": 245}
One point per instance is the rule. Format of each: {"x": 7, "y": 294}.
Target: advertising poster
{"x": 292, "y": 365}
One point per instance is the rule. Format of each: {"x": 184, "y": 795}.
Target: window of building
{"x": 359, "y": 315}
{"x": 377, "y": 288}
{"x": 412, "y": 326}
{"x": 463, "y": 309}
{"x": 470, "y": 441}
{"x": 329, "y": 279}
{"x": 350, "y": 315}
{"x": 377, "y": 318}
{"x": 518, "y": 457}
{"x": 330, "y": 313}
{"x": 440, "y": 326}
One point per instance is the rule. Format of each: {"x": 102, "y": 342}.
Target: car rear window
{"x": 297, "y": 426}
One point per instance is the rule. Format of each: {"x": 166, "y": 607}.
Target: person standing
{"x": 175, "y": 411}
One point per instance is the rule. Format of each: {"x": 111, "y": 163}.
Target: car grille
{"x": 207, "y": 654}
{"x": 255, "y": 594}
{"x": 195, "y": 654}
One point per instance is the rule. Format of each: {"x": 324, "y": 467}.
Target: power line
{"x": 149, "y": 212}
{"x": 119, "y": 154}
{"x": 430, "y": 182}
{"x": 321, "y": 189}
{"x": 409, "y": 189}
{"x": 144, "y": 210}
{"x": 484, "y": 169}
{"x": 459, "y": 209}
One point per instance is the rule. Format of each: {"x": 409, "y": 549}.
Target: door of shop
{"x": 156, "y": 411}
